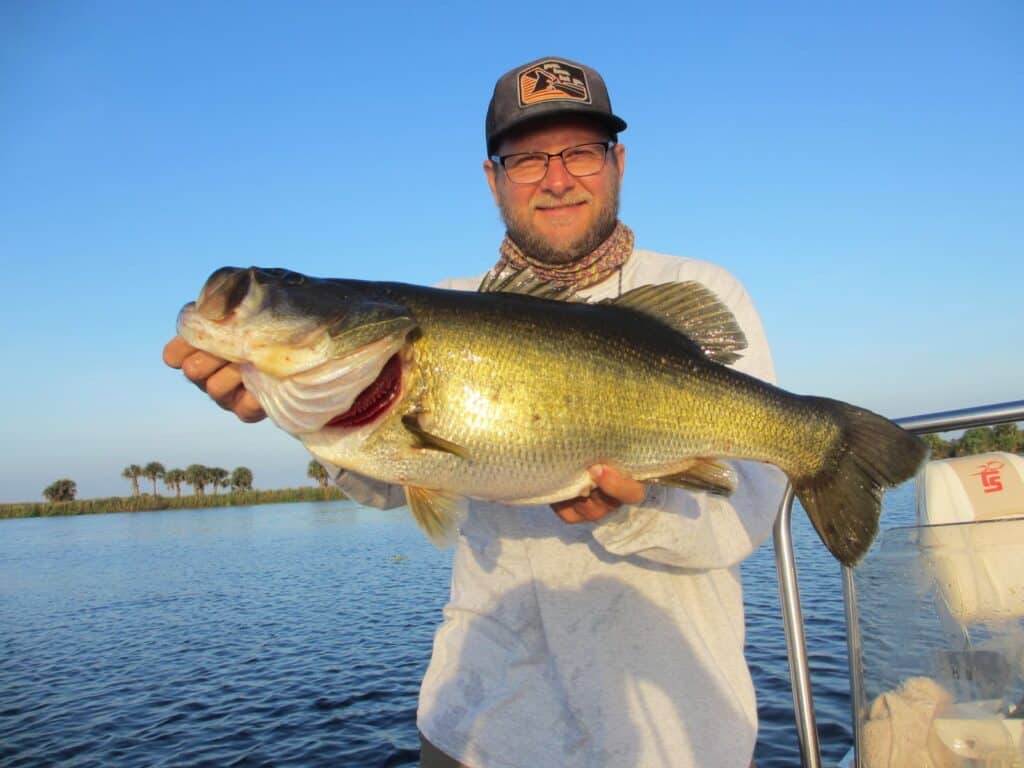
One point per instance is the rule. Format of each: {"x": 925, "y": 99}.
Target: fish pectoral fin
{"x": 709, "y": 475}
{"x": 438, "y": 513}
{"x": 429, "y": 441}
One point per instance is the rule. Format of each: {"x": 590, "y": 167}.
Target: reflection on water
{"x": 282, "y": 634}
{"x": 290, "y": 634}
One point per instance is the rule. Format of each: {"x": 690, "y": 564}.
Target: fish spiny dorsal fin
{"x": 509, "y": 279}
{"x": 694, "y": 311}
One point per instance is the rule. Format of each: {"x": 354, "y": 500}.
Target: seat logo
{"x": 989, "y": 474}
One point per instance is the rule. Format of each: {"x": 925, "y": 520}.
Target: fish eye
{"x": 293, "y": 278}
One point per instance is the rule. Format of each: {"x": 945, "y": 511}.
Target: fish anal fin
{"x": 709, "y": 475}
{"x": 429, "y": 441}
{"x": 438, "y": 513}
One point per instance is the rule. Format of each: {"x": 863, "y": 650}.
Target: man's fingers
{"x": 221, "y": 383}
{"x": 221, "y": 380}
{"x": 566, "y": 510}
{"x": 590, "y": 508}
{"x": 176, "y": 350}
{"x": 613, "y": 489}
{"x": 619, "y": 486}
{"x": 225, "y": 387}
{"x": 596, "y": 505}
{"x": 200, "y": 366}
{"x": 247, "y": 407}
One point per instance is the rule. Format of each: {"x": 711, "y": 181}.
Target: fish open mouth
{"x": 375, "y": 399}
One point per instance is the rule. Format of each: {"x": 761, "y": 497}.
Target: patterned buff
{"x": 595, "y": 267}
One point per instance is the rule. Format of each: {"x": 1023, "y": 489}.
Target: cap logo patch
{"x": 552, "y": 80}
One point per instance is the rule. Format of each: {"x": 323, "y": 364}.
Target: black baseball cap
{"x": 546, "y": 87}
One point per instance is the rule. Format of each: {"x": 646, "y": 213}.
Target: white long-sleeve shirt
{"x": 617, "y": 643}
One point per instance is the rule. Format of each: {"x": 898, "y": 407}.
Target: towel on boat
{"x": 899, "y": 733}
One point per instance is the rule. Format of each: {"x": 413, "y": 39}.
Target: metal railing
{"x": 789, "y": 592}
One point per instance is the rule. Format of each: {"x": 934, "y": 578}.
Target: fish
{"x": 511, "y": 393}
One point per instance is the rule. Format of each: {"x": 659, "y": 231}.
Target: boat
{"x": 934, "y": 617}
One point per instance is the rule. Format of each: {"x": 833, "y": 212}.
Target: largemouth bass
{"x": 511, "y": 394}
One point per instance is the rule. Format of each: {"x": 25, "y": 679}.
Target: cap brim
{"x": 614, "y": 123}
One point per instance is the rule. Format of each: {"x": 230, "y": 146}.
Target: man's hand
{"x": 614, "y": 489}
{"x": 218, "y": 378}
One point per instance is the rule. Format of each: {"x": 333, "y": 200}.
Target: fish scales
{"x": 632, "y": 399}
{"x": 512, "y": 397}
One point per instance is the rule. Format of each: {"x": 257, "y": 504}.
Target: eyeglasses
{"x": 530, "y": 167}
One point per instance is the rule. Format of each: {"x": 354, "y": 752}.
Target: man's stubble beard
{"x": 538, "y": 248}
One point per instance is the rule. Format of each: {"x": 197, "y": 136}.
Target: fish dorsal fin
{"x": 693, "y": 310}
{"x": 437, "y": 513}
{"x": 703, "y": 475}
{"x": 509, "y": 279}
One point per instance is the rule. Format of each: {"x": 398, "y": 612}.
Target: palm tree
{"x": 153, "y": 471}
{"x": 195, "y": 475}
{"x": 218, "y": 478}
{"x": 241, "y": 479}
{"x": 133, "y": 472}
{"x": 61, "y": 490}
{"x": 316, "y": 471}
{"x": 173, "y": 478}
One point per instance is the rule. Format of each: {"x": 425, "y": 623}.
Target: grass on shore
{"x": 147, "y": 502}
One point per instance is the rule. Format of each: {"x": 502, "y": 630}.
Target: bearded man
{"x": 609, "y": 633}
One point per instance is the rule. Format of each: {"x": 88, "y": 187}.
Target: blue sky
{"x": 859, "y": 168}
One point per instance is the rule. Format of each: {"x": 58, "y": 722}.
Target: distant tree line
{"x": 147, "y": 502}
{"x": 1002, "y": 437}
{"x": 198, "y": 476}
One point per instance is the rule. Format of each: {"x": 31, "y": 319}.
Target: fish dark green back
{"x": 688, "y": 308}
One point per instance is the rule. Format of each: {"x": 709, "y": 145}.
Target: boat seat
{"x": 979, "y": 569}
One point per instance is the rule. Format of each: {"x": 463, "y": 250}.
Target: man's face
{"x": 561, "y": 217}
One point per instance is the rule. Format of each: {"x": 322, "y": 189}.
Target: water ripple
{"x": 289, "y": 635}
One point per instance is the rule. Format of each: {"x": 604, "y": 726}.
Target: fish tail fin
{"x": 843, "y": 497}
{"x": 437, "y": 513}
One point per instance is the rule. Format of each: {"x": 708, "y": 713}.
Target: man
{"x": 616, "y": 640}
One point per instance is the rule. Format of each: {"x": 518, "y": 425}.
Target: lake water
{"x": 291, "y": 634}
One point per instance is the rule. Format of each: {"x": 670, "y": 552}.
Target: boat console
{"x": 940, "y": 606}
{"x": 934, "y": 615}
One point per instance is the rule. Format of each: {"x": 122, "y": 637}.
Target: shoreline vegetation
{"x": 61, "y": 501}
{"x": 61, "y": 493}
{"x": 148, "y": 502}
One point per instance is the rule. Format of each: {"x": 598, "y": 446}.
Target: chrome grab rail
{"x": 789, "y": 593}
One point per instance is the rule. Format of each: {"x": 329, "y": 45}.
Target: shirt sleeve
{"x": 701, "y": 530}
{"x": 698, "y": 530}
{"x": 365, "y": 490}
